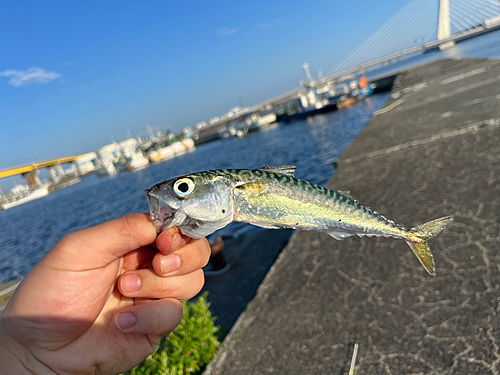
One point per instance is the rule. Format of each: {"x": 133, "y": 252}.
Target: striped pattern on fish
{"x": 272, "y": 197}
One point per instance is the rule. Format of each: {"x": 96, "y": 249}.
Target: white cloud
{"x": 266, "y": 25}
{"x": 223, "y": 31}
{"x": 32, "y": 75}
{"x": 263, "y": 25}
{"x": 66, "y": 63}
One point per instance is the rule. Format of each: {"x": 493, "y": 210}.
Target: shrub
{"x": 189, "y": 348}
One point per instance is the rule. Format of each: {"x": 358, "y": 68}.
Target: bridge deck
{"x": 30, "y": 167}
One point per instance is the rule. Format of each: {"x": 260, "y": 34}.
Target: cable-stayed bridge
{"x": 422, "y": 25}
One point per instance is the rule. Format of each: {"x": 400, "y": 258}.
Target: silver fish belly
{"x": 271, "y": 197}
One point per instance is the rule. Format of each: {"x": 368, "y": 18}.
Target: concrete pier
{"x": 433, "y": 150}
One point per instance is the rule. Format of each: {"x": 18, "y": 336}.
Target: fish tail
{"x": 417, "y": 241}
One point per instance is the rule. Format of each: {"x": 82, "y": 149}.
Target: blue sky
{"x": 74, "y": 75}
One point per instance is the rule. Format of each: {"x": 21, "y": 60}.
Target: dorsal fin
{"x": 347, "y": 193}
{"x": 287, "y": 170}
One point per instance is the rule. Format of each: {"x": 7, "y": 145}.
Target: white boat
{"x": 257, "y": 122}
{"x": 137, "y": 161}
{"x": 168, "y": 152}
{"x": 163, "y": 153}
{"x": 188, "y": 143}
{"x": 21, "y": 194}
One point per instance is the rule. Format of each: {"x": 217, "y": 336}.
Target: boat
{"x": 64, "y": 183}
{"x": 168, "y": 152}
{"x": 297, "y": 111}
{"x": 348, "y": 102}
{"x": 313, "y": 99}
{"x": 107, "y": 167}
{"x": 121, "y": 163}
{"x": 358, "y": 94}
{"x": 21, "y": 194}
{"x": 257, "y": 122}
{"x": 137, "y": 161}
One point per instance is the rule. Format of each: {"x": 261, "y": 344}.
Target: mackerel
{"x": 272, "y": 197}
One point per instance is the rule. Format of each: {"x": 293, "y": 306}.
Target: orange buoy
{"x": 362, "y": 82}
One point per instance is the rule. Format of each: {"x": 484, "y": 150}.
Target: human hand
{"x": 101, "y": 299}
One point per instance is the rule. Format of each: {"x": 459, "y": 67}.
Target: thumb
{"x": 100, "y": 245}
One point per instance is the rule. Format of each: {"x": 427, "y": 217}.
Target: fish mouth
{"x": 164, "y": 215}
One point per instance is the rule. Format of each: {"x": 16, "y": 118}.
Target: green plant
{"x": 189, "y": 348}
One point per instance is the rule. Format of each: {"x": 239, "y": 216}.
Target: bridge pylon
{"x": 444, "y": 29}
{"x": 32, "y": 178}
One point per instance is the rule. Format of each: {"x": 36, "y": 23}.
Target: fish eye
{"x": 183, "y": 187}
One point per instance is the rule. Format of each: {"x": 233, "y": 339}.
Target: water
{"x": 28, "y": 231}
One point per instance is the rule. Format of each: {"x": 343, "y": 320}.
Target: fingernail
{"x": 170, "y": 263}
{"x": 125, "y": 320}
{"x": 176, "y": 241}
{"x": 131, "y": 283}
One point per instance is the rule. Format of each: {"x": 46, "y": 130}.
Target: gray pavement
{"x": 250, "y": 258}
{"x": 435, "y": 153}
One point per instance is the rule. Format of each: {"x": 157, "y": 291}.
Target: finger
{"x": 140, "y": 258}
{"x": 187, "y": 259}
{"x": 156, "y": 317}
{"x": 100, "y": 245}
{"x": 146, "y": 284}
{"x": 170, "y": 240}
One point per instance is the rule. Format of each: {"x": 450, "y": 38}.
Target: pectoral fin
{"x": 252, "y": 188}
{"x": 267, "y": 226}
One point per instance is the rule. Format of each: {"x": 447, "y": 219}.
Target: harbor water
{"x": 28, "y": 231}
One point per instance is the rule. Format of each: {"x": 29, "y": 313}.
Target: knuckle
{"x": 199, "y": 281}
{"x": 168, "y": 317}
{"x": 192, "y": 258}
{"x": 184, "y": 287}
{"x": 157, "y": 323}
{"x": 136, "y": 228}
{"x": 130, "y": 222}
{"x": 68, "y": 239}
{"x": 73, "y": 241}
{"x": 166, "y": 287}
{"x": 205, "y": 247}
{"x": 202, "y": 251}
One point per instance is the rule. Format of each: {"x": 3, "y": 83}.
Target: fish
{"x": 272, "y": 197}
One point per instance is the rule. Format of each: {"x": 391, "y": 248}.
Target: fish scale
{"x": 272, "y": 197}
{"x": 309, "y": 186}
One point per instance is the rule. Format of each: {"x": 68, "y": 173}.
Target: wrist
{"x": 15, "y": 358}
{"x": 11, "y": 355}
